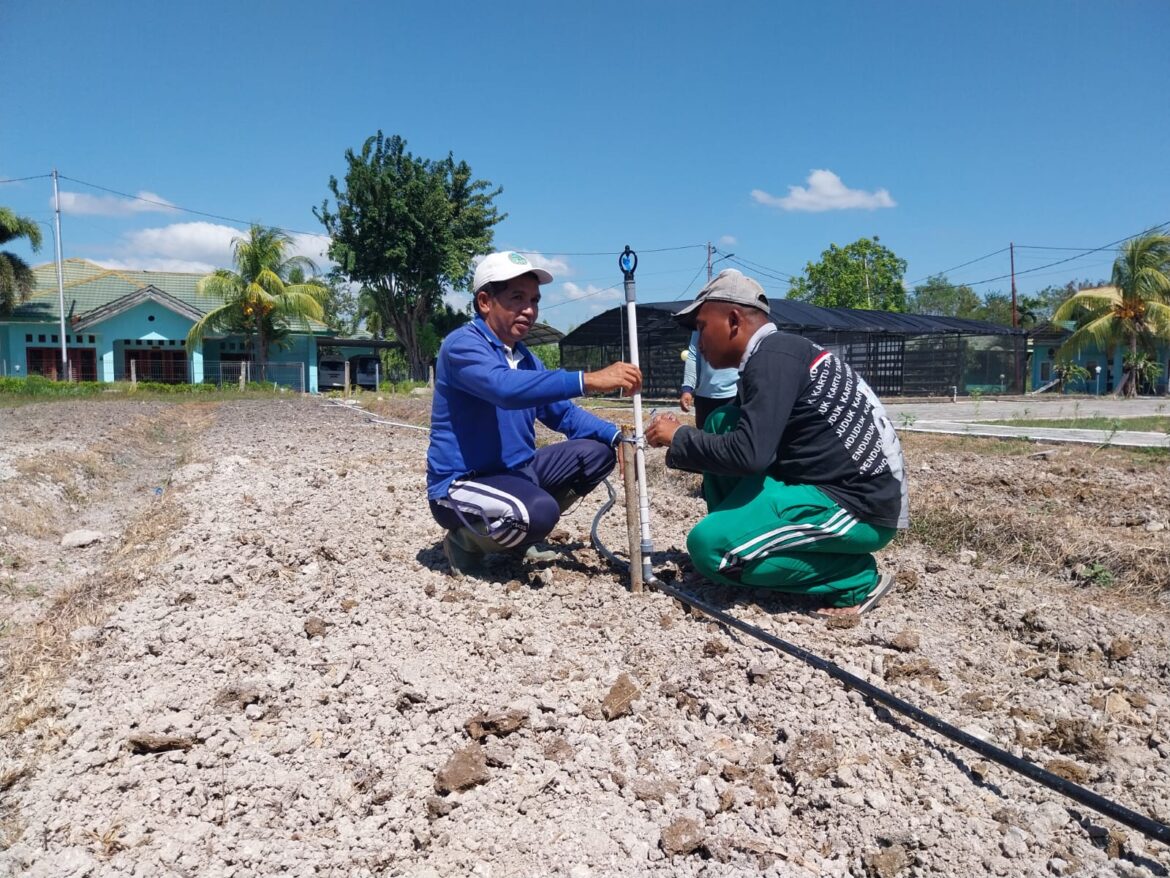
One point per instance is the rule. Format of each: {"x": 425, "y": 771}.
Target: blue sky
{"x": 770, "y": 129}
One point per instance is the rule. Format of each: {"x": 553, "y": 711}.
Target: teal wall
{"x": 149, "y": 321}
{"x": 1044, "y": 358}
{"x": 14, "y": 344}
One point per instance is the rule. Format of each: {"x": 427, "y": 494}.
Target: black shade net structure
{"x": 897, "y": 354}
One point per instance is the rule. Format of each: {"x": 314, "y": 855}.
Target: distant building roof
{"x": 798, "y": 317}
{"x": 90, "y": 287}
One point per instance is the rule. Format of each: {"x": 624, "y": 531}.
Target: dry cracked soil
{"x": 258, "y": 665}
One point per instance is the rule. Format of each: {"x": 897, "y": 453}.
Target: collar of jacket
{"x": 483, "y": 329}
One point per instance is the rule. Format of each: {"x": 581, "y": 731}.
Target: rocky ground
{"x": 261, "y": 667}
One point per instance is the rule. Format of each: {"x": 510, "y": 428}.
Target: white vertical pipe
{"x": 639, "y": 434}
{"x": 60, "y": 276}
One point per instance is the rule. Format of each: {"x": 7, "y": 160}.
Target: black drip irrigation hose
{"x": 1125, "y": 816}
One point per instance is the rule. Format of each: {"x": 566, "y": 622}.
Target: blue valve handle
{"x": 628, "y": 263}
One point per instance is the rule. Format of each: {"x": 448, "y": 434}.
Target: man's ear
{"x": 477, "y": 301}
{"x": 734, "y": 320}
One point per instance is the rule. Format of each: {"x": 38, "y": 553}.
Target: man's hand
{"x": 660, "y": 431}
{"x": 615, "y": 376}
{"x": 686, "y": 401}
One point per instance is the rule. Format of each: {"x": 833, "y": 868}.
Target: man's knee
{"x": 723, "y": 419}
{"x": 543, "y": 515}
{"x": 597, "y": 461}
{"x": 702, "y": 544}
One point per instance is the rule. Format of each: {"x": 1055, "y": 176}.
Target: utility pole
{"x": 708, "y": 262}
{"x": 1015, "y": 313}
{"x": 865, "y": 265}
{"x": 64, "y": 375}
{"x": 865, "y": 269}
{"x": 1015, "y": 318}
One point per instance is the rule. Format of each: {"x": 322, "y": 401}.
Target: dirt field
{"x": 262, "y": 668}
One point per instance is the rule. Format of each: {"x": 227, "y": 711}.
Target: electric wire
{"x": 1068, "y": 258}
{"x": 687, "y": 288}
{"x": 957, "y": 267}
{"x": 608, "y": 252}
{"x": 170, "y": 206}
{"x": 764, "y": 274}
{"x": 755, "y": 266}
{"x": 22, "y": 179}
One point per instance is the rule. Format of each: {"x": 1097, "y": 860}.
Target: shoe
{"x": 885, "y": 585}
{"x": 462, "y": 555}
{"x": 534, "y": 554}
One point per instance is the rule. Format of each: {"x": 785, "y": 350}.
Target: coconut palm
{"x": 258, "y": 299}
{"x": 1134, "y": 309}
{"x": 16, "y": 278}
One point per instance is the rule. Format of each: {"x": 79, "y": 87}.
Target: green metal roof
{"x": 89, "y": 286}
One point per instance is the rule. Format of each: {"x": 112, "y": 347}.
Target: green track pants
{"x": 794, "y": 538}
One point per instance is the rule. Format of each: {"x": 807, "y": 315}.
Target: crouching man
{"x": 804, "y": 480}
{"x": 487, "y": 483}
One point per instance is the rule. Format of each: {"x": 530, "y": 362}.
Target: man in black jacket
{"x": 804, "y": 480}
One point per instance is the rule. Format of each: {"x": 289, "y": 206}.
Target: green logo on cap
{"x": 517, "y": 258}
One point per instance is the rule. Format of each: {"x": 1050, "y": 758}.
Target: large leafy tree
{"x": 938, "y": 297}
{"x": 1133, "y": 310}
{"x": 260, "y": 299}
{"x": 16, "y": 278}
{"x": 406, "y": 228}
{"x": 863, "y": 274}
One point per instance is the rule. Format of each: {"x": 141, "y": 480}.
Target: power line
{"x": 702, "y": 265}
{"x": 608, "y": 252}
{"x": 755, "y": 266}
{"x": 570, "y": 300}
{"x": 1038, "y": 247}
{"x": 1068, "y": 258}
{"x": 169, "y": 206}
{"x": 963, "y": 265}
{"x": 758, "y": 271}
{"x": 22, "y": 179}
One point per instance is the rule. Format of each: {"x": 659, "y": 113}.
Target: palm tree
{"x": 258, "y": 299}
{"x": 1134, "y": 308}
{"x": 16, "y": 278}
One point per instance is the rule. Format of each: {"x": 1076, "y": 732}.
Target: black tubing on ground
{"x": 1125, "y": 816}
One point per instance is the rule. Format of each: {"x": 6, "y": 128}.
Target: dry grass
{"x": 1073, "y": 514}
{"x": 34, "y": 658}
{"x": 41, "y": 502}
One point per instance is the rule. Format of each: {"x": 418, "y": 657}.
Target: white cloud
{"x": 728, "y": 241}
{"x": 825, "y": 191}
{"x": 199, "y": 242}
{"x": 199, "y": 247}
{"x": 153, "y": 264}
{"x": 554, "y": 265}
{"x": 573, "y": 292}
{"x": 315, "y": 247}
{"x": 83, "y": 204}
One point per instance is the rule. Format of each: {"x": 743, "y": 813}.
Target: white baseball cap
{"x": 505, "y": 266}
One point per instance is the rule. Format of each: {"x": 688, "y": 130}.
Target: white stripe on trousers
{"x": 505, "y": 514}
{"x": 790, "y": 536}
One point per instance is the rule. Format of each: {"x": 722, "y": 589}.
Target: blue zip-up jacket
{"x": 483, "y": 418}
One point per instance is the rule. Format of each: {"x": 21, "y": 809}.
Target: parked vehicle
{"x": 331, "y": 374}
{"x": 364, "y": 371}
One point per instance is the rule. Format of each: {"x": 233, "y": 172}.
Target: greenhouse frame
{"x": 897, "y": 354}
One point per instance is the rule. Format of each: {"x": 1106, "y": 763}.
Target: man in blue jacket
{"x": 487, "y": 483}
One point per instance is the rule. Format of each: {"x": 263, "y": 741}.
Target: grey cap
{"x": 731, "y": 286}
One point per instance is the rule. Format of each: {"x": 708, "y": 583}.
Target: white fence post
{"x": 133, "y": 374}
{"x": 243, "y": 375}
{"x": 347, "y": 379}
